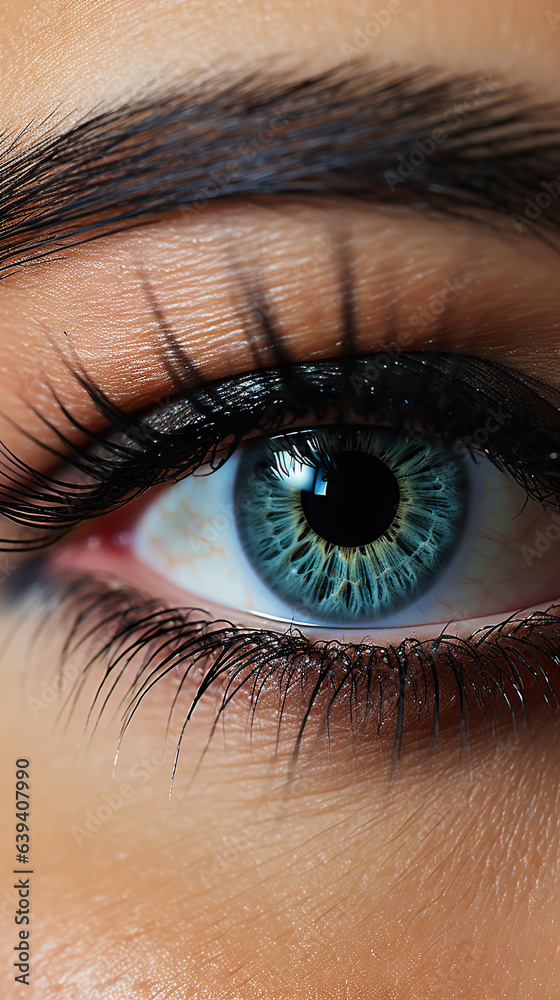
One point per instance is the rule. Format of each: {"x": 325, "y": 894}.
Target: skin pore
{"x": 352, "y": 880}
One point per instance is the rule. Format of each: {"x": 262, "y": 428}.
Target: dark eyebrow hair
{"x": 467, "y": 145}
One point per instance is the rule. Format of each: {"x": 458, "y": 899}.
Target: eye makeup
{"x": 458, "y": 398}
{"x": 139, "y": 637}
{"x": 392, "y": 689}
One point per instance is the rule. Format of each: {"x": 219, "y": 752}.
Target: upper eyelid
{"x": 178, "y": 440}
{"x": 169, "y": 354}
{"x": 502, "y": 288}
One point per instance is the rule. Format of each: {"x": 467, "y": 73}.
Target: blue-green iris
{"x": 350, "y": 524}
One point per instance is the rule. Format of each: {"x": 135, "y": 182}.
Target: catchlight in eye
{"x": 349, "y": 526}
{"x": 378, "y": 518}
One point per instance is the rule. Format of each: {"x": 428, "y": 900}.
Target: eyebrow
{"x": 468, "y": 146}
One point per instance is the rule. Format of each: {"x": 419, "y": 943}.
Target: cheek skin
{"x": 298, "y": 888}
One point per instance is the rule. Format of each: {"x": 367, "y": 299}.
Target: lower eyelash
{"x": 135, "y": 642}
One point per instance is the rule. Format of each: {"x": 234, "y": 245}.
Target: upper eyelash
{"x": 449, "y": 395}
{"x": 456, "y": 397}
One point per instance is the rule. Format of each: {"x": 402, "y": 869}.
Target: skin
{"x": 439, "y": 879}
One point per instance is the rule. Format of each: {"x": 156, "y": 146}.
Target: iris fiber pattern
{"x": 298, "y": 494}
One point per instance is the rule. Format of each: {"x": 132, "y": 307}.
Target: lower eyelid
{"x": 371, "y": 696}
{"x": 119, "y": 564}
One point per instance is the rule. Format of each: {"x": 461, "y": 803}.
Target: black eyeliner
{"x": 476, "y": 404}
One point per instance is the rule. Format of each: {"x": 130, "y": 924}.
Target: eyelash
{"x": 448, "y": 395}
{"x": 385, "y": 685}
{"x": 451, "y": 396}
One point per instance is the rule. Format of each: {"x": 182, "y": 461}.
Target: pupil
{"x": 354, "y": 503}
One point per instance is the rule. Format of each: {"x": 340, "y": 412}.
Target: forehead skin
{"x": 441, "y": 884}
{"x": 104, "y": 50}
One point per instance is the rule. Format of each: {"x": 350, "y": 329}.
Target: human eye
{"x": 395, "y": 534}
{"x": 350, "y": 524}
